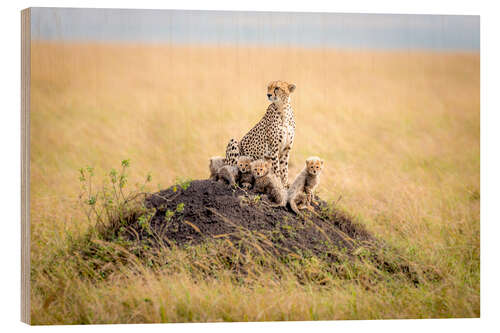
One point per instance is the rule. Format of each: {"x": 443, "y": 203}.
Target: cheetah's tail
{"x": 293, "y": 204}
{"x": 232, "y": 152}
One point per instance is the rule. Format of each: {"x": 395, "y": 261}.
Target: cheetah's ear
{"x": 291, "y": 87}
{"x": 322, "y": 162}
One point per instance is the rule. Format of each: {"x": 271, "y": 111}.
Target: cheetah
{"x": 273, "y": 135}
{"x": 216, "y": 162}
{"x": 230, "y": 173}
{"x": 302, "y": 188}
{"x": 245, "y": 176}
{"x": 267, "y": 183}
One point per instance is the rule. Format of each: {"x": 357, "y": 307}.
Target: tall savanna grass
{"x": 399, "y": 133}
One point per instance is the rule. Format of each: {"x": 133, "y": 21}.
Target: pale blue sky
{"x": 372, "y": 31}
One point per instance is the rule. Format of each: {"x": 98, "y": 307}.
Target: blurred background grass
{"x": 398, "y": 130}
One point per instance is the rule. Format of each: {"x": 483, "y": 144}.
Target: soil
{"x": 206, "y": 209}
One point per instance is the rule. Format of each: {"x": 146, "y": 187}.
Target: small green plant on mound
{"x": 182, "y": 183}
{"x": 113, "y": 205}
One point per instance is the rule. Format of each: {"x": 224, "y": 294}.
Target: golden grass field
{"x": 399, "y": 133}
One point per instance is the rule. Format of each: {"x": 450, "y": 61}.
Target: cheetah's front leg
{"x": 283, "y": 163}
{"x": 274, "y": 156}
{"x": 276, "y": 164}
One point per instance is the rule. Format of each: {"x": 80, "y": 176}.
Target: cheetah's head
{"x": 279, "y": 91}
{"x": 244, "y": 164}
{"x": 314, "y": 165}
{"x": 260, "y": 168}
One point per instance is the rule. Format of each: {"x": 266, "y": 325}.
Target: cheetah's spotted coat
{"x": 272, "y": 137}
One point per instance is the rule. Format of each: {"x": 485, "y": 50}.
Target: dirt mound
{"x": 218, "y": 228}
{"x": 205, "y": 209}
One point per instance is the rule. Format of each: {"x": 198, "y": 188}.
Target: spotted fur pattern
{"x": 232, "y": 152}
{"x": 272, "y": 136}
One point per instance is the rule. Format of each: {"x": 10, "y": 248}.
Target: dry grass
{"x": 399, "y": 132}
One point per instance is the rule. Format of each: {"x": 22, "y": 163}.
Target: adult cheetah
{"x": 272, "y": 137}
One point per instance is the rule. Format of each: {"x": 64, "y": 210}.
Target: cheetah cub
{"x": 245, "y": 177}
{"x": 266, "y": 182}
{"x": 216, "y": 162}
{"x": 228, "y": 174}
{"x": 302, "y": 188}
{"x": 236, "y": 174}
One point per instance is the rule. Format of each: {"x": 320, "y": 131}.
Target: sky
{"x": 335, "y": 30}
